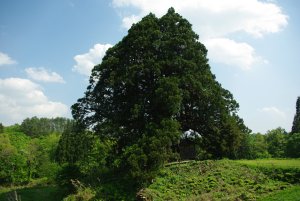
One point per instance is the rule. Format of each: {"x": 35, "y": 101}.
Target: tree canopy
{"x": 276, "y": 140}
{"x": 151, "y": 87}
{"x": 1, "y": 128}
{"x": 296, "y": 122}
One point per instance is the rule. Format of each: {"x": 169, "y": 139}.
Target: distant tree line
{"x": 35, "y": 127}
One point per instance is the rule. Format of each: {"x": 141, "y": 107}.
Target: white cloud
{"x": 274, "y": 111}
{"x": 86, "y": 62}
{"x": 231, "y": 53}
{"x": 41, "y": 74}
{"x": 267, "y": 118}
{"x": 128, "y": 21}
{"x": 214, "y": 20}
{"x": 22, "y": 98}
{"x": 5, "y": 59}
{"x": 271, "y": 117}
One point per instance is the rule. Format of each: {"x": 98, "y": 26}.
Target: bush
{"x": 83, "y": 193}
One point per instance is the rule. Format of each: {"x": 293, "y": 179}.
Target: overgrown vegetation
{"x": 211, "y": 180}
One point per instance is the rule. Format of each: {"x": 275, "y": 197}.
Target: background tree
{"x": 13, "y": 156}
{"x": 253, "y": 146}
{"x": 296, "y": 122}
{"x": 293, "y": 145}
{"x": 276, "y": 140}
{"x": 47, "y": 166}
{"x": 24, "y": 159}
{"x": 7, "y": 159}
{"x": 81, "y": 154}
{"x": 70, "y": 145}
{"x": 150, "y": 88}
{"x": 36, "y": 127}
{"x": 1, "y": 128}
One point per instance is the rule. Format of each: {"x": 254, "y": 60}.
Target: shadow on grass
{"x": 46, "y": 193}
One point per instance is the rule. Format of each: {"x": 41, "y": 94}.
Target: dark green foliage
{"x": 231, "y": 135}
{"x": 150, "y": 88}
{"x": 73, "y": 143}
{"x": 65, "y": 176}
{"x": 35, "y": 127}
{"x": 82, "y": 155}
{"x": 296, "y": 122}
{"x": 151, "y": 151}
{"x": 246, "y": 148}
{"x": 114, "y": 186}
{"x": 37, "y": 193}
{"x": 293, "y": 145}
{"x": 1, "y": 128}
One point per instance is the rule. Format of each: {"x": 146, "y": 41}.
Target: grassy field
{"x": 280, "y": 169}
{"x": 273, "y": 163}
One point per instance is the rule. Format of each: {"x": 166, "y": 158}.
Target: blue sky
{"x": 47, "y": 48}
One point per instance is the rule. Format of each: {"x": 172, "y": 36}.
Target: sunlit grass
{"x": 211, "y": 180}
{"x": 272, "y": 163}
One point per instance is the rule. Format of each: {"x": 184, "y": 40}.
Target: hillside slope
{"x": 210, "y": 180}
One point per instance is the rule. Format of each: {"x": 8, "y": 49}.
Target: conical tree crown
{"x": 154, "y": 85}
{"x": 296, "y": 122}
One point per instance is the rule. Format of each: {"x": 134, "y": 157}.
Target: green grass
{"x": 46, "y": 193}
{"x": 211, "y": 180}
{"x": 280, "y": 169}
{"x": 273, "y": 163}
{"x": 289, "y": 194}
